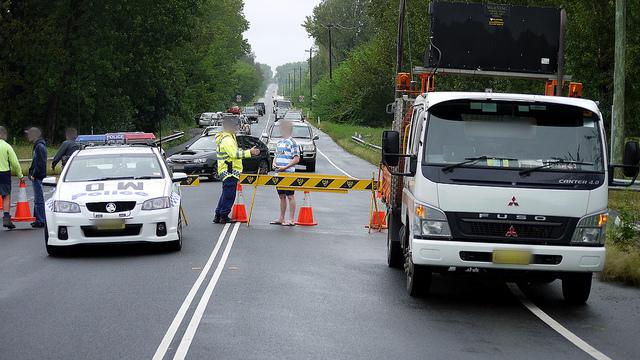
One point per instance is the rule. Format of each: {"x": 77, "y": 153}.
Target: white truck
{"x": 513, "y": 186}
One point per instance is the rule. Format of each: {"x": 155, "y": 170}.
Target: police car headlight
{"x": 199, "y": 161}
{"x": 430, "y": 222}
{"x": 66, "y": 207}
{"x": 156, "y": 204}
{"x": 591, "y": 230}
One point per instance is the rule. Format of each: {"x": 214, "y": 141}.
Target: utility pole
{"x": 330, "y": 54}
{"x": 400, "y": 41}
{"x": 617, "y": 115}
{"x": 289, "y": 84}
{"x": 294, "y": 80}
{"x": 300, "y": 79}
{"x": 310, "y": 78}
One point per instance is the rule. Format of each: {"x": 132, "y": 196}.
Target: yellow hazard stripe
{"x": 310, "y": 182}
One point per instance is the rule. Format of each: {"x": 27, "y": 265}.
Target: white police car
{"x": 114, "y": 190}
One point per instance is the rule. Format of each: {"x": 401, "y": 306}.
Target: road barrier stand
{"x": 23, "y": 210}
{"x": 378, "y": 219}
{"x": 239, "y": 211}
{"x": 305, "y": 217}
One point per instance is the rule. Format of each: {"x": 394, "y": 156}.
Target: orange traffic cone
{"x": 378, "y": 220}
{"x": 239, "y": 211}
{"x": 23, "y": 212}
{"x": 305, "y": 217}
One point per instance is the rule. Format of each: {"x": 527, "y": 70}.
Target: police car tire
{"x": 177, "y": 244}
{"x": 51, "y": 250}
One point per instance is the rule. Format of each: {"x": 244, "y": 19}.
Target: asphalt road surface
{"x": 268, "y": 292}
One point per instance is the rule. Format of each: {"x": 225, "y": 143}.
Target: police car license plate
{"x": 110, "y": 224}
{"x": 512, "y": 257}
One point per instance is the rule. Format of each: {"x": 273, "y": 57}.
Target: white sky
{"x": 276, "y": 34}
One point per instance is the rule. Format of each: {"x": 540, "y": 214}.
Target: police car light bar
{"x": 116, "y": 139}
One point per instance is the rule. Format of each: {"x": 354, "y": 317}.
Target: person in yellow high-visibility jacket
{"x": 229, "y": 167}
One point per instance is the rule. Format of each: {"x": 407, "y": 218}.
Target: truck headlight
{"x": 199, "y": 161}
{"x": 66, "y": 207}
{"x": 156, "y": 204}
{"x": 591, "y": 230}
{"x": 430, "y": 222}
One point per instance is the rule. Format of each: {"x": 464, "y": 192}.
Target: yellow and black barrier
{"x": 191, "y": 180}
{"x": 310, "y": 182}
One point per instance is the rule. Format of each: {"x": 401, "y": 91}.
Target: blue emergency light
{"x": 91, "y": 139}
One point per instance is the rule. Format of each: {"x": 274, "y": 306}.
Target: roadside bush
{"x": 623, "y": 240}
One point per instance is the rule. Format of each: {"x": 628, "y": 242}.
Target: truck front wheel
{"x": 576, "y": 287}
{"x": 418, "y": 277}
{"x": 395, "y": 257}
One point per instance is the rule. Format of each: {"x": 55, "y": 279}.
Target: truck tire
{"x": 395, "y": 257}
{"x": 418, "y": 277}
{"x": 576, "y": 288}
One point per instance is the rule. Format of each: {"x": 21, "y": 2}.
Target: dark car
{"x": 251, "y": 113}
{"x": 200, "y": 157}
{"x": 261, "y": 107}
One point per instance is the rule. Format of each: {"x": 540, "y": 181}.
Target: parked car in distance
{"x": 208, "y": 119}
{"x": 251, "y": 113}
{"x": 294, "y": 115}
{"x": 304, "y": 137}
{"x": 261, "y": 107}
{"x": 212, "y": 130}
{"x": 200, "y": 158}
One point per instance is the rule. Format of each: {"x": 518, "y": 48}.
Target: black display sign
{"x": 492, "y": 37}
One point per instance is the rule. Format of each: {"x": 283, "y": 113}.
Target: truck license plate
{"x": 110, "y": 224}
{"x": 512, "y": 257}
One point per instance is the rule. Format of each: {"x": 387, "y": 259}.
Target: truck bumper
{"x": 481, "y": 255}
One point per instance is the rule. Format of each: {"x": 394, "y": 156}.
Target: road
{"x": 267, "y": 292}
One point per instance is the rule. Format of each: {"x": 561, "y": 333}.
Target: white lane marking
{"x": 332, "y": 163}
{"x": 189, "y": 334}
{"x": 177, "y": 320}
{"x": 556, "y": 326}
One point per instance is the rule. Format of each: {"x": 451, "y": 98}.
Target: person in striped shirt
{"x": 286, "y": 157}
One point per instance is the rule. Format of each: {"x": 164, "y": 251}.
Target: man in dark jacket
{"x": 67, "y": 148}
{"x": 37, "y": 172}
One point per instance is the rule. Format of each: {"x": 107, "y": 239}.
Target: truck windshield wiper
{"x": 472, "y": 160}
{"x": 553, "y": 163}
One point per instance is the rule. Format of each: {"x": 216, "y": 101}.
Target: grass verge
{"x": 342, "y": 133}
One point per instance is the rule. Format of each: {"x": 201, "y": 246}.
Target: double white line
{"x": 190, "y": 332}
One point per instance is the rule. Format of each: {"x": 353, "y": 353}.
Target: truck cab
{"x": 500, "y": 183}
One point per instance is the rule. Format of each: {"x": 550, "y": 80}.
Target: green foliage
{"x": 120, "y": 65}
{"x": 623, "y": 238}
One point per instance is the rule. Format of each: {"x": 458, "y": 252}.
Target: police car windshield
{"x": 204, "y": 143}
{"x": 105, "y": 167}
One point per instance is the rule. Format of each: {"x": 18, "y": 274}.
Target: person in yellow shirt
{"x": 8, "y": 164}
{"x": 229, "y": 167}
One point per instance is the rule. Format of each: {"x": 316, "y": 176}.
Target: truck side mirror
{"x": 631, "y": 159}
{"x": 390, "y": 147}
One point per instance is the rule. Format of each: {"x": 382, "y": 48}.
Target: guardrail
{"x": 360, "y": 141}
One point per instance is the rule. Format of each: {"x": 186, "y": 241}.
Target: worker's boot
{"x": 6, "y": 222}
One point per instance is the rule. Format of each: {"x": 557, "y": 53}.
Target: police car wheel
{"x": 177, "y": 244}
{"x": 51, "y": 250}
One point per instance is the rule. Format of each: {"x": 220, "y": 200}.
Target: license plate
{"x": 179, "y": 168}
{"x": 110, "y": 224}
{"x": 512, "y": 257}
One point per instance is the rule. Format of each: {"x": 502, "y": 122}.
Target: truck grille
{"x": 101, "y": 207}
{"x": 471, "y": 227}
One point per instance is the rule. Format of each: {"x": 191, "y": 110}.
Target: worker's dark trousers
{"x": 227, "y": 198}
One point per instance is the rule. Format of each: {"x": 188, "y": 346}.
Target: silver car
{"x": 209, "y": 119}
{"x": 303, "y": 135}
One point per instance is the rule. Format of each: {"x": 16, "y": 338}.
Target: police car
{"x": 115, "y": 189}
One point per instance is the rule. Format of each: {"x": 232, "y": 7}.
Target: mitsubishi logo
{"x": 111, "y": 207}
{"x": 513, "y": 202}
{"x": 512, "y": 233}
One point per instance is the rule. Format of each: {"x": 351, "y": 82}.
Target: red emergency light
{"x": 139, "y": 137}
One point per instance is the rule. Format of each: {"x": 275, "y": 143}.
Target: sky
{"x": 276, "y": 34}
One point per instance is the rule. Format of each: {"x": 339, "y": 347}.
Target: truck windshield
{"x": 283, "y": 104}
{"x": 513, "y": 135}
